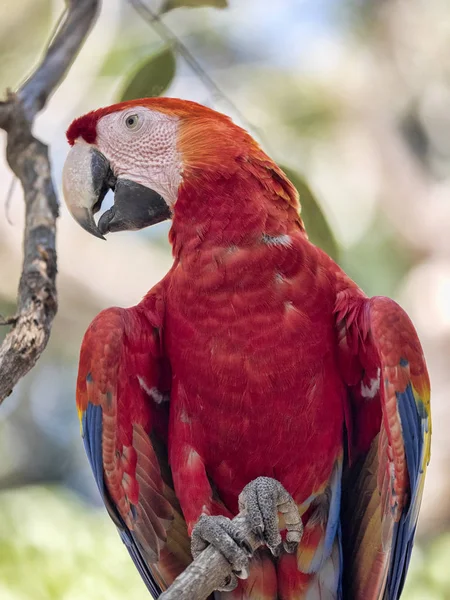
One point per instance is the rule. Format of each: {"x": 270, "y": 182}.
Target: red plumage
{"x": 236, "y": 334}
{"x": 276, "y": 364}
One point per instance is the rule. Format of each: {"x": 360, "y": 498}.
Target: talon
{"x": 230, "y": 584}
{"x": 263, "y": 498}
{"x": 220, "y": 532}
{"x": 277, "y": 550}
{"x": 242, "y": 574}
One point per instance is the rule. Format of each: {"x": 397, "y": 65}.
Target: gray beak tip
{"x": 100, "y": 236}
{"x": 85, "y": 218}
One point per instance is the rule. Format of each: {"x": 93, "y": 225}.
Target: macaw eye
{"x": 132, "y": 121}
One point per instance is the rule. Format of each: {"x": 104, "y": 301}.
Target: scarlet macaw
{"x": 255, "y": 374}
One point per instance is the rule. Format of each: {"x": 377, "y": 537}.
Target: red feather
{"x": 272, "y": 357}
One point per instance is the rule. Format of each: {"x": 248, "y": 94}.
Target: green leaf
{"x": 379, "y": 260}
{"x": 24, "y": 30}
{"x": 317, "y": 226}
{"x": 171, "y": 4}
{"x": 151, "y": 77}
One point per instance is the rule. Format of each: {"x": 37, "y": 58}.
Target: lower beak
{"x": 135, "y": 207}
{"x": 87, "y": 177}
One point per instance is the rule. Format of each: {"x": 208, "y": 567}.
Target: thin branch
{"x": 208, "y": 571}
{"x": 168, "y": 36}
{"x": 165, "y": 33}
{"x": 28, "y": 159}
{"x": 9, "y": 196}
{"x": 62, "y": 50}
{"x": 5, "y": 321}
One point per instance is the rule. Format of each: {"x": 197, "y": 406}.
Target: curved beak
{"x": 86, "y": 180}
{"x": 87, "y": 177}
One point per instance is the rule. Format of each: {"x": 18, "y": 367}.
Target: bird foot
{"x": 263, "y": 499}
{"x": 224, "y": 535}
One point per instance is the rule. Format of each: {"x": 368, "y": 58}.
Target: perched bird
{"x": 255, "y": 375}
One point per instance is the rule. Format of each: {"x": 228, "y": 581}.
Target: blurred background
{"x": 351, "y": 96}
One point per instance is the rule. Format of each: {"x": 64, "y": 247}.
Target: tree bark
{"x": 209, "y": 571}
{"x": 28, "y": 159}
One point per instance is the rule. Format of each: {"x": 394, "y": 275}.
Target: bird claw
{"x": 226, "y": 537}
{"x": 263, "y": 499}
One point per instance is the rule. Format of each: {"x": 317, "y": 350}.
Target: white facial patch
{"x": 141, "y": 145}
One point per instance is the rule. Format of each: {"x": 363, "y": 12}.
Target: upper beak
{"x": 87, "y": 177}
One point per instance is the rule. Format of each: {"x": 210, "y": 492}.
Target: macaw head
{"x": 143, "y": 150}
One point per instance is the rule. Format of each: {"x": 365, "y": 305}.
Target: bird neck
{"x": 228, "y": 210}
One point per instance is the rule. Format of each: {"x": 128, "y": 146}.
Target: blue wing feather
{"x": 333, "y": 524}
{"x": 139, "y": 562}
{"x": 388, "y": 476}
{"x": 405, "y": 529}
{"x": 91, "y": 424}
{"x": 92, "y": 437}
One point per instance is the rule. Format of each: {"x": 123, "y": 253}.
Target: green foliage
{"x": 307, "y": 108}
{"x": 23, "y": 33}
{"x": 53, "y": 547}
{"x": 171, "y": 4}
{"x": 317, "y": 226}
{"x": 429, "y": 575}
{"x": 121, "y": 56}
{"x": 378, "y": 262}
{"x": 151, "y": 77}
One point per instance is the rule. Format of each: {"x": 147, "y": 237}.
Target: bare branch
{"x": 7, "y": 320}
{"x": 28, "y": 159}
{"x": 165, "y": 33}
{"x": 67, "y": 41}
{"x": 208, "y": 571}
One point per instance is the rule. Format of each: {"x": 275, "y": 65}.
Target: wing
{"x": 389, "y": 427}
{"x": 121, "y": 393}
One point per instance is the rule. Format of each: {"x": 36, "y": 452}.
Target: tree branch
{"x": 209, "y": 570}
{"x": 28, "y": 159}
{"x": 154, "y": 19}
{"x": 61, "y": 52}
